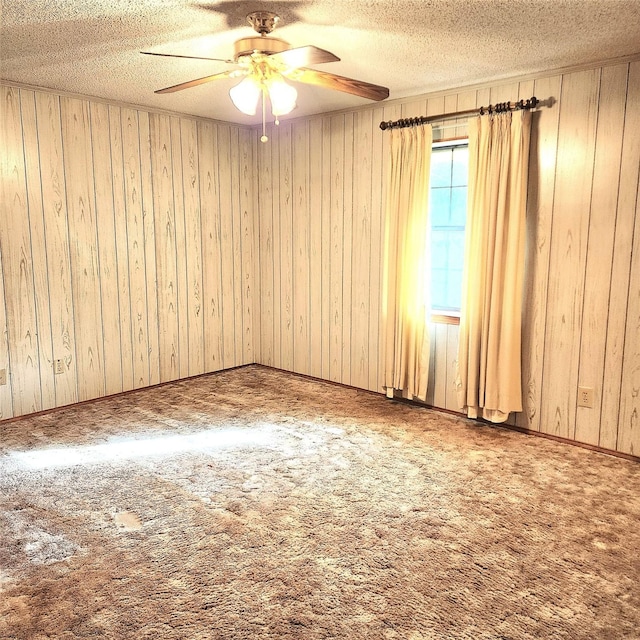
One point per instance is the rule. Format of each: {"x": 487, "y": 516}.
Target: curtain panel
{"x": 489, "y": 351}
{"x": 405, "y": 302}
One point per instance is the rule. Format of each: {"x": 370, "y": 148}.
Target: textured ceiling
{"x": 91, "y": 47}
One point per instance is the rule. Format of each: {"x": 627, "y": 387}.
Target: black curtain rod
{"x": 500, "y": 107}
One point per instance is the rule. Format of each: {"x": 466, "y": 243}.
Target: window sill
{"x": 445, "y": 317}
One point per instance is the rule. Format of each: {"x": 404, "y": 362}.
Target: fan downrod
{"x": 264, "y": 22}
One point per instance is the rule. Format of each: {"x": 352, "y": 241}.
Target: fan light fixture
{"x": 264, "y": 79}
{"x": 246, "y": 94}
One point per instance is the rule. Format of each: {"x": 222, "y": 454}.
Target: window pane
{"x": 454, "y": 290}
{"x": 458, "y": 209}
{"x": 440, "y": 175}
{"x": 438, "y": 288}
{"x": 460, "y": 171}
{"x": 439, "y": 249}
{"x": 456, "y": 249}
{"x": 440, "y": 206}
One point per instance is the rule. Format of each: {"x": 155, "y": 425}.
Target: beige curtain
{"x": 405, "y": 303}
{"x": 489, "y": 358}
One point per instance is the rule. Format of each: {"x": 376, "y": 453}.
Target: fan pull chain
{"x": 264, "y": 119}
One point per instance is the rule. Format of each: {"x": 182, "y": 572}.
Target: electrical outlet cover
{"x": 585, "y": 397}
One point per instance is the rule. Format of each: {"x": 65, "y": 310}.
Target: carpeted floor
{"x": 257, "y": 504}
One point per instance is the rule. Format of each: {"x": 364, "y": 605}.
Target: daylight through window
{"x": 448, "y": 207}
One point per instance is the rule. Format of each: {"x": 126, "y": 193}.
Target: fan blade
{"x": 340, "y": 83}
{"x": 304, "y": 56}
{"x": 175, "y": 55}
{"x": 195, "y": 83}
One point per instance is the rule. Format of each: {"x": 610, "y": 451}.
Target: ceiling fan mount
{"x": 263, "y": 22}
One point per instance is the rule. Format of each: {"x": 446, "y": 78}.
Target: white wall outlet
{"x": 585, "y": 397}
{"x": 58, "y": 367}
{"x": 3, "y": 377}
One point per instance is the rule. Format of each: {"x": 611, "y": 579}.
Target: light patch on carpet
{"x": 134, "y": 448}
{"x": 128, "y": 521}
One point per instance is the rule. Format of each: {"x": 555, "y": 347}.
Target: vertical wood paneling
{"x": 122, "y": 248}
{"x": 503, "y": 92}
{"x": 266, "y": 258}
{"x": 543, "y": 150}
{"x": 278, "y": 295}
{"x": 629, "y": 422}
{"x": 433, "y": 107}
{"x": 361, "y": 242}
{"x": 526, "y": 89}
{"x": 38, "y": 247}
{"x": 451, "y": 395}
{"x": 193, "y": 245}
{"x": 107, "y": 254}
{"x": 6, "y": 399}
{"x": 236, "y": 245}
{"x": 181, "y": 247}
{"x": 248, "y": 231}
{"x": 440, "y": 366}
{"x": 226, "y": 247}
{"x": 286, "y": 247}
{"x": 604, "y": 195}
{"x": 250, "y": 184}
{"x": 574, "y": 169}
{"x": 431, "y": 384}
{"x": 466, "y": 100}
{"x": 483, "y": 97}
{"x": 101, "y": 240}
{"x": 336, "y": 241}
{"x": 316, "y": 273}
{"x": 57, "y": 260}
{"x": 149, "y": 229}
{"x": 165, "y": 246}
{"x": 300, "y": 246}
{"x": 83, "y": 247}
{"x": 622, "y": 360}
{"x": 135, "y": 246}
{"x": 326, "y": 188}
{"x": 211, "y": 255}
{"x": 378, "y": 195}
{"x": 347, "y": 246}
{"x": 17, "y": 264}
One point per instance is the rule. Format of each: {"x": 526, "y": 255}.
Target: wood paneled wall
{"x": 130, "y": 243}
{"x": 321, "y": 190}
{"x": 126, "y": 248}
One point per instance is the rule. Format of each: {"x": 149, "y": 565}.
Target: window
{"x": 448, "y": 207}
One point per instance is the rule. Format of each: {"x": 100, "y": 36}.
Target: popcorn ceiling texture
{"x": 256, "y": 504}
{"x": 413, "y": 47}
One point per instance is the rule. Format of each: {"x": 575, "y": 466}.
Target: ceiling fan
{"x": 265, "y": 63}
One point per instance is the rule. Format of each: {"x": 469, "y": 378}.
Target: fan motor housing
{"x": 262, "y": 44}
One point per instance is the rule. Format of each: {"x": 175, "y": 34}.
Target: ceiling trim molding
{"x": 117, "y": 103}
{"x": 475, "y": 87}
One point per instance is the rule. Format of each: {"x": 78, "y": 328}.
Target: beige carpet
{"x": 257, "y": 504}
